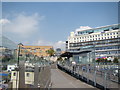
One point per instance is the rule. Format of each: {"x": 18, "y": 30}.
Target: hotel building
{"x": 105, "y": 41}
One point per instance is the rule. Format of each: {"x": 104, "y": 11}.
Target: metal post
{"x": 94, "y": 65}
{"x": 118, "y": 73}
{"x": 87, "y": 73}
{"x": 18, "y": 55}
{"x": 17, "y": 67}
{"x": 105, "y": 83}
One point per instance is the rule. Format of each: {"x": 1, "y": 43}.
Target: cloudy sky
{"x": 50, "y": 23}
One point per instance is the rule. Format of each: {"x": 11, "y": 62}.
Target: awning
{"x": 70, "y": 54}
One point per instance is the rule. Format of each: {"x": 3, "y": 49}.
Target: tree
{"x": 60, "y": 59}
{"x": 109, "y": 61}
{"x": 115, "y": 60}
{"x": 51, "y": 52}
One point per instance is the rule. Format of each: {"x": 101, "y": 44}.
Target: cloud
{"x": 58, "y": 44}
{"x": 4, "y": 21}
{"x": 22, "y": 25}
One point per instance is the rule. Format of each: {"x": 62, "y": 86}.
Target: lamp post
{"x": 18, "y": 53}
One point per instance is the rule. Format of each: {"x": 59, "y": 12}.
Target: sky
{"x": 50, "y": 23}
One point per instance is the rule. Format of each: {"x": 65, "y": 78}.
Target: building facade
{"x": 40, "y": 51}
{"x": 104, "y": 41}
{"x": 29, "y": 78}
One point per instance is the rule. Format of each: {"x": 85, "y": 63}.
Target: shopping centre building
{"x": 103, "y": 41}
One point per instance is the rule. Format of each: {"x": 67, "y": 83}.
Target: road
{"x": 62, "y": 80}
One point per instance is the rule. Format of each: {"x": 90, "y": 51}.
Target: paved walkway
{"x": 62, "y": 80}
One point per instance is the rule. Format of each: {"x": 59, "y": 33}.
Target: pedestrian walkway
{"x": 62, "y": 80}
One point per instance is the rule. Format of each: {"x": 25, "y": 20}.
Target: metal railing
{"x": 101, "y": 76}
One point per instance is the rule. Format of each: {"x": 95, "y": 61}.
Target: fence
{"x": 101, "y": 75}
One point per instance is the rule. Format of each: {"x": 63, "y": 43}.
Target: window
{"x": 14, "y": 74}
{"x": 34, "y": 50}
{"x": 40, "y": 50}
{"x": 27, "y": 74}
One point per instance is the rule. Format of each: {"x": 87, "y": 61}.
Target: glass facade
{"x": 113, "y": 27}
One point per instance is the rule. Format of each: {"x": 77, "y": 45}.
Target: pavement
{"x": 61, "y": 79}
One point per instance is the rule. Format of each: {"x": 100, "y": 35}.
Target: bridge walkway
{"x": 61, "y": 79}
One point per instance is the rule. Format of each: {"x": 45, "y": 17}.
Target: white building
{"x": 105, "y": 40}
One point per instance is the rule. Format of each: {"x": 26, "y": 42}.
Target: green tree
{"x": 60, "y": 59}
{"x": 51, "y": 52}
{"x": 115, "y": 60}
{"x": 109, "y": 61}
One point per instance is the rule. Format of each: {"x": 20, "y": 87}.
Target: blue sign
{"x": 3, "y": 74}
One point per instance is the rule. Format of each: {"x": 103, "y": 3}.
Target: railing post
{"x": 95, "y": 78}
{"x": 87, "y": 73}
{"x": 105, "y": 83}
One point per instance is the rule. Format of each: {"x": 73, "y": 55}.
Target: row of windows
{"x": 95, "y": 37}
{"x": 25, "y": 51}
{"x": 103, "y": 52}
{"x": 27, "y": 74}
{"x": 108, "y": 52}
{"x": 106, "y": 34}
{"x": 98, "y": 30}
{"x": 110, "y": 47}
{"x": 34, "y": 48}
{"x": 105, "y": 42}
